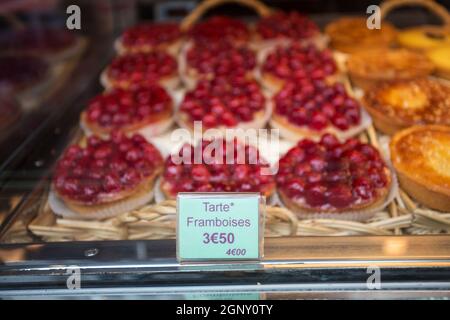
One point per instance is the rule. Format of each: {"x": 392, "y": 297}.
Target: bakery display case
{"x": 351, "y": 146}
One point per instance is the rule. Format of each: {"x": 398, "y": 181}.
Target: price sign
{"x": 219, "y": 226}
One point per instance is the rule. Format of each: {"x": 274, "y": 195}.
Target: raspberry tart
{"x": 373, "y": 67}
{"x": 329, "y": 179}
{"x": 421, "y": 157}
{"x": 308, "y": 108}
{"x": 296, "y": 61}
{"x": 147, "y": 110}
{"x": 21, "y": 73}
{"x": 351, "y": 34}
{"x": 218, "y": 29}
{"x": 105, "y": 178}
{"x": 215, "y": 174}
{"x": 225, "y": 103}
{"x": 282, "y": 25}
{"x": 147, "y": 37}
{"x": 398, "y": 105}
{"x": 219, "y": 59}
{"x": 141, "y": 69}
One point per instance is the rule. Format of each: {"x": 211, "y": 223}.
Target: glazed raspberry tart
{"x": 377, "y": 66}
{"x": 147, "y": 110}
{"x": 421, "y": 157}
{"x": 105, "y": 178}
{"x": 286, "y": 25}
{"x": 295, "y": 61}
{"x": 147, "y": 37}
{"x": 219, "y": 59}
{"x": 225, "y": 103}
{"x": 214, "y": 174}
{"x": 141, "y": 69}
{"x": 334, "y": 180}
{"x": 23, "y": 73}
{"x": 219, "y": 29}
{"x": 402, "y": 104}
{"x": 308, "y": 109}
{"x": 351, "y": 34}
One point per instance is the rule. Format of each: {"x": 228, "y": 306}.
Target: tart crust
{"x": 170, "y": 82}
{"x": 421, "y": 157}
{"x": 172, "y": 48}
{"x": 402, "y": 104}
{"x": 373, "y": 67}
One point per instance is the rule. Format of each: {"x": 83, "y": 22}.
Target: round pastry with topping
{"x": 421, "y": 157}
{"x": 149, "y": 36}
{"x": 329, "y": 179}
{"x": 224, "y": 103}
{"x": 296, "y": 61}
{"x": 351, "y": 34}
{"x": 395, "y": 106}
{"x": 217, "y": 59}
{"x": 220, "y": 28}
{"x": 282, "y": 25}
{"x": 22, "y": 72}
{"x": 141, "y": 69}
{"x": 372, "y": 67}
{"x": 106, "y": 177}
{"x": 248, "y": 172}
{"x": 147, "y": 110}
{"x": 308, "y": 108}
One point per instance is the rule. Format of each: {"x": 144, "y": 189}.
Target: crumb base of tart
{"x": 172, "y": 48}
{"x": 423, "y": 174}
{"x": 154, "y": 123}
{"x": 295, "y": 133}
{"x": 118, "y": 204}
{"x": 354, "y": 212}
{"x": 170, "y": 82}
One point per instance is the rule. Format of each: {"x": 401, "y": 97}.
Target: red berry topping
{"x": 19, "y": 71}
{"x": 223, "y": 102}
{"x": 220, "y": 28}
{"x": 221, "y": 59}
{"x": 141, "y": 69}
{"x": 318, "y": 176}
{"x": 292, "y": 25}
{"x": 299, "y": 62}
{"x": 92, "y": 174}
{"x": 317, "y": 105}
{"x": 149, "y": 35}
{"x": 120, "y": 108}
{"x": 216, "y": 173}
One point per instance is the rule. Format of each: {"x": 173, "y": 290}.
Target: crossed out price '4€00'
{"x": 219, "y": 226}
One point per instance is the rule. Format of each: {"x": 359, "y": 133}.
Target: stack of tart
{"x": 106, "y": 177}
